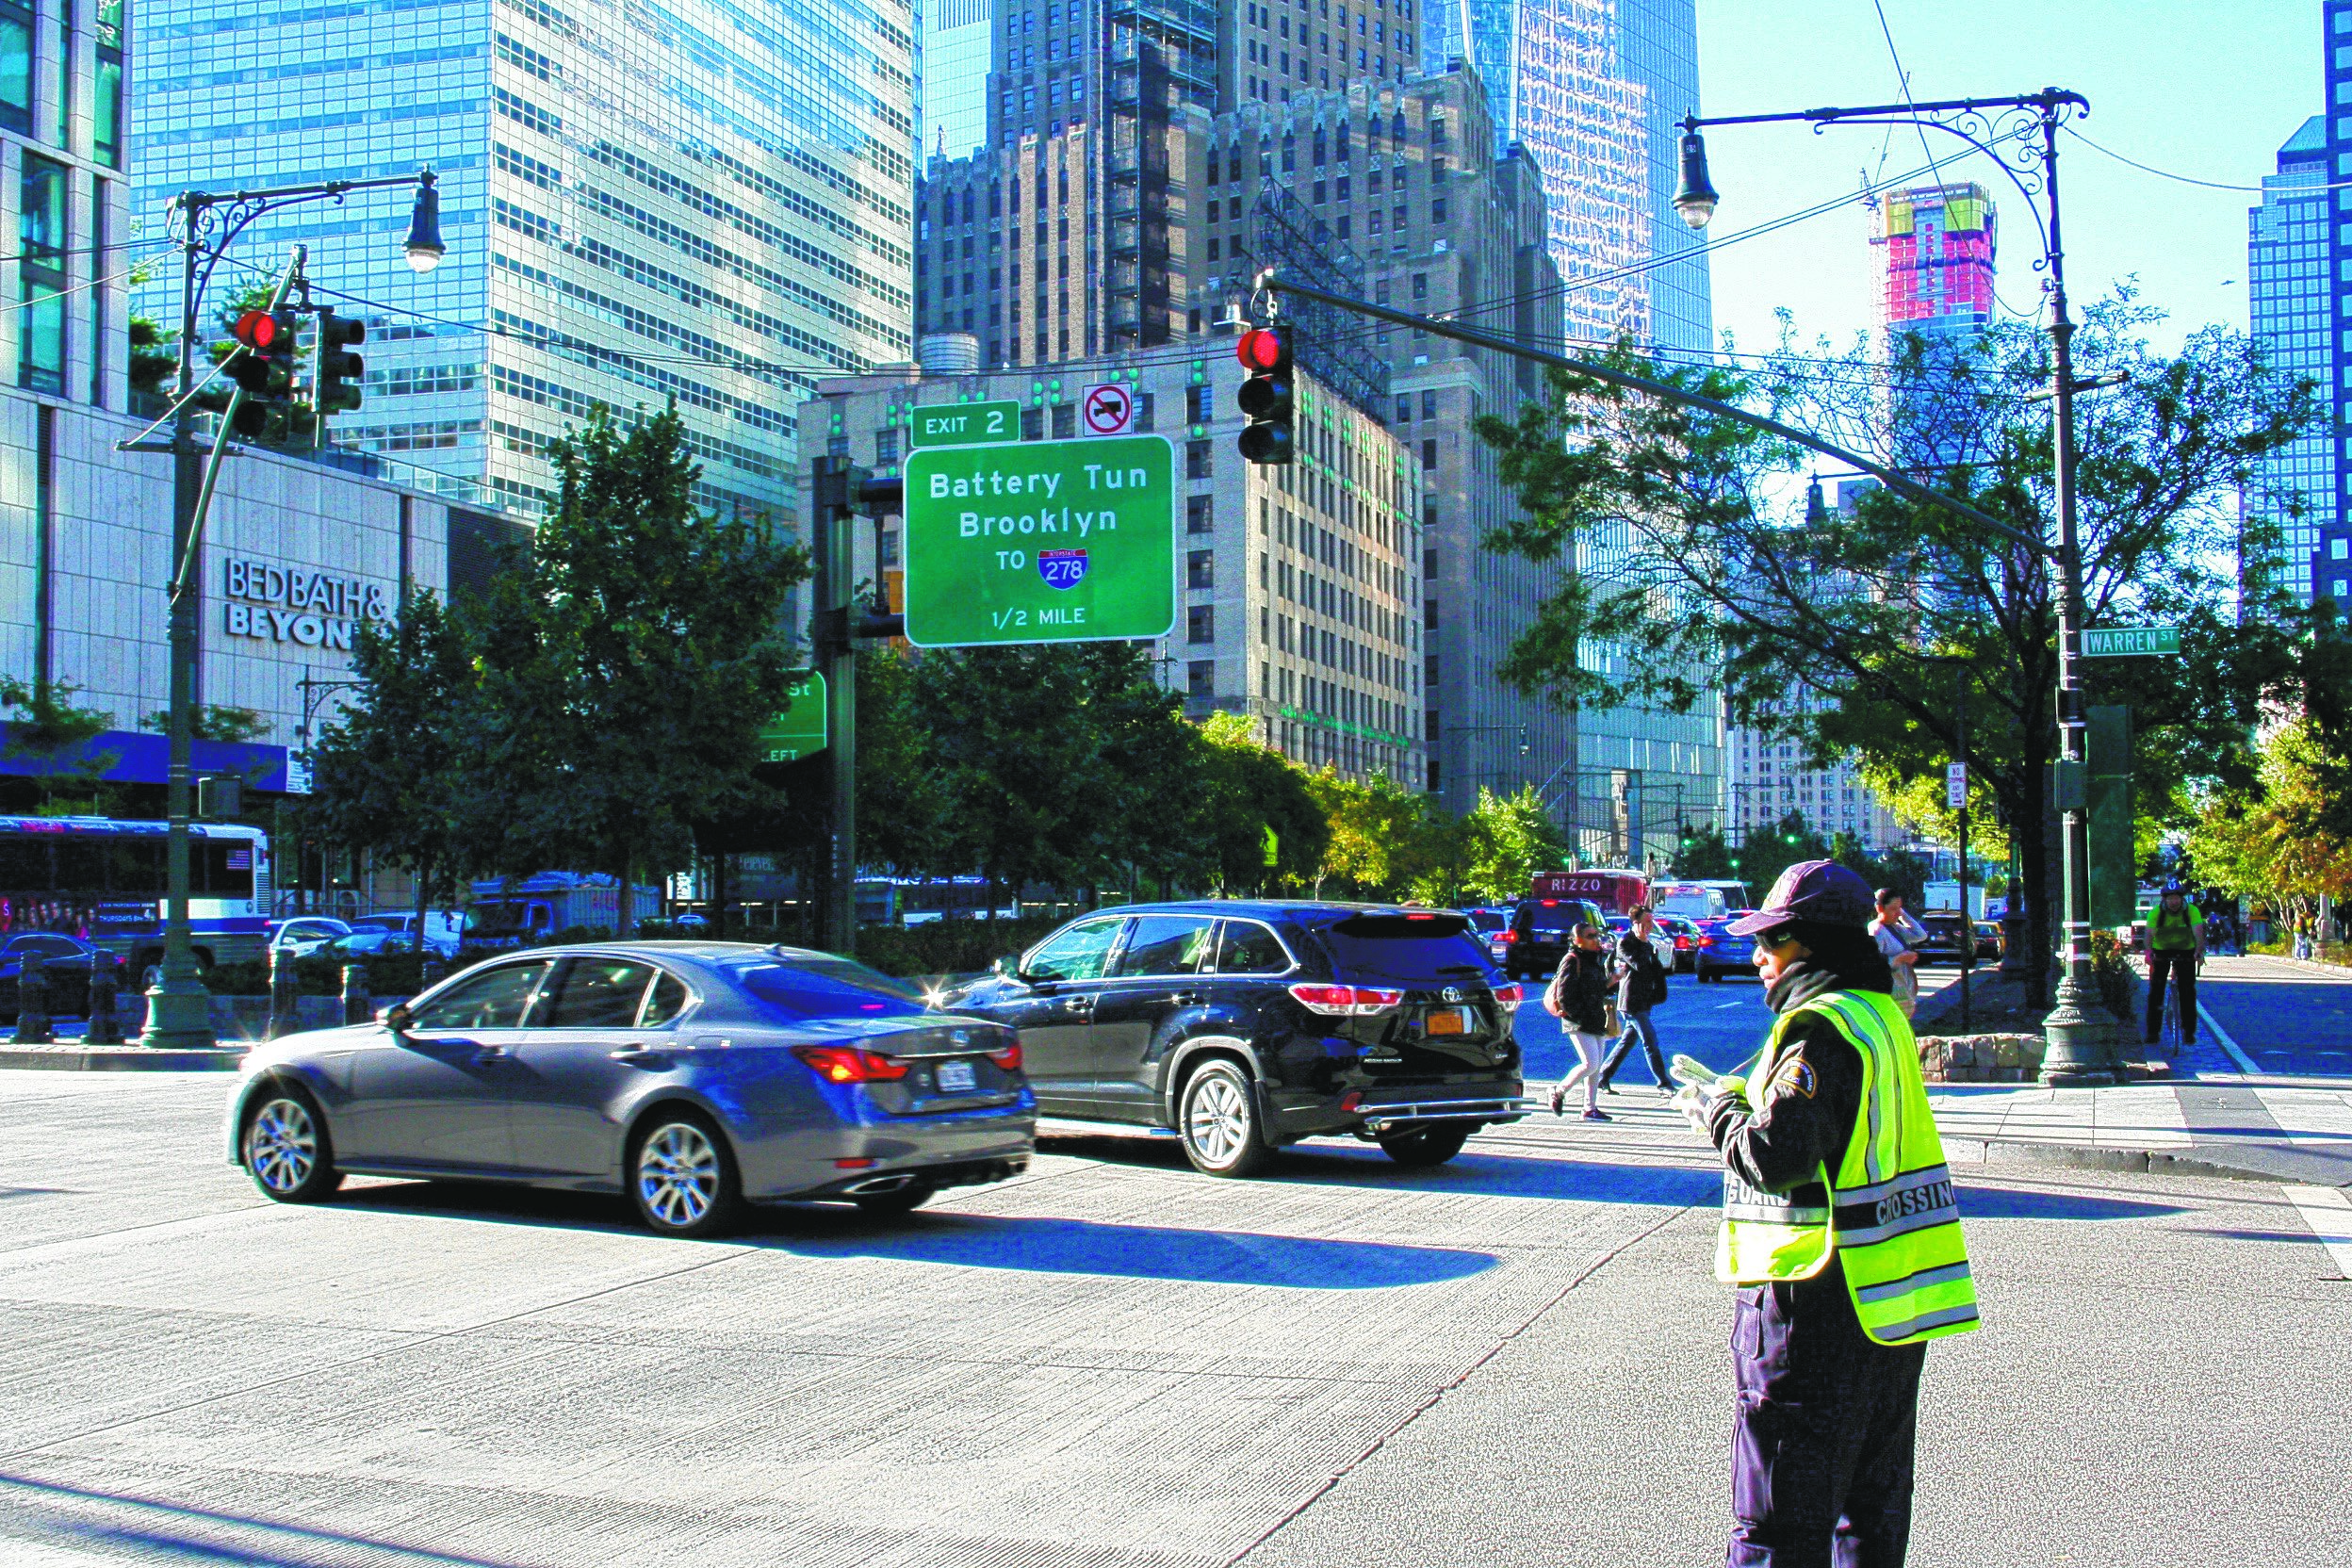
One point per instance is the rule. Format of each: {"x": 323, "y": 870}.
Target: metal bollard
{"x": 32, "y": 1001}
{"x": 285, "y": 995}
{"x": 105, "y": 983}
{"x": 358, "y": 1006}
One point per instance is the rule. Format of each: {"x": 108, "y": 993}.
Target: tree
{"x": 54, "y": 734}
{"x": 1821, "y": 632}
{"x": 1251, "y": 788}
{"x": 1381, "y": 834}
{"x": 2275, "y": 840}
{"x": 215, "y": 722}
{"x": 1703, "y": 854}
{"x": 154, "y": 357}
{"x": 404, "y": 768}
{"x": 630, "y": 670}
{"x": 1505, "y": 840}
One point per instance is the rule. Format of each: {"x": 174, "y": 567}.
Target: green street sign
{"x": 2115, "y": 642}
{"x": 964, "y": 424}
{"x": 800, "y": 728}
{"x": 1041, "y": 542}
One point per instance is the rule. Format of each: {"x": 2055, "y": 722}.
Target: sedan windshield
{"x": 828, "y": 987}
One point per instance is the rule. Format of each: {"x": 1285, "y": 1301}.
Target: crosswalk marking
{"x": 2329, "y": 1213}
{"x": 2309, "y": 1116}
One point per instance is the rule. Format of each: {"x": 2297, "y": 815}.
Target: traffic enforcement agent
{"x": 1841, "y": 1229}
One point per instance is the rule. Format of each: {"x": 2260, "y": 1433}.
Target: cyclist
{"x": 2175, "y": 947}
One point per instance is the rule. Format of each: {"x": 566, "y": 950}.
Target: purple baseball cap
{"x": 1819, "y": 891}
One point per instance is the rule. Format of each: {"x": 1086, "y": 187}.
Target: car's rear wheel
{"x": 285, "y": 1148}
{"x": 683, "y": 1177}
{"x": 1425, "y": 1146}
{"x": 905, "y": 1199}
{"x": 1218, "y": 1121}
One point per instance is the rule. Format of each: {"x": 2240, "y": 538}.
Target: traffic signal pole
{"x": 839, "y": 494}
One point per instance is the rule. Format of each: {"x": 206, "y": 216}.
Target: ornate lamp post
{"x": 179, "y": 1010}
{"x": 2020, "y": 135}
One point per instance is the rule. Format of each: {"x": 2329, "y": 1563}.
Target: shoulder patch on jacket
{"x": 1795, "y": 1075}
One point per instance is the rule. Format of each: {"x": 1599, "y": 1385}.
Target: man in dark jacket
{"x": 1640, "y": 985}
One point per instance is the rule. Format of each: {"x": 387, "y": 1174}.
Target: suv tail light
{"x": 1343, "y": 1001}
{"x": 1506, "y": 936}
{"x": 1507, "y": 998}
{"x": 847, "y": 1064}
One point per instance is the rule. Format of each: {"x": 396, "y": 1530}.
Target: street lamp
{"x": 2020, "y": 135}
{"x": 179, "y": 1009}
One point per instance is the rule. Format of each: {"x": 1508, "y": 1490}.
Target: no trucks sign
{"x": 1041, "y": 542}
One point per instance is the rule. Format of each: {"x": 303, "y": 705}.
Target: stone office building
{"x": 1301, "y": 600}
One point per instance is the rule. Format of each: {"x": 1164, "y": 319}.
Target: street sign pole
{"x": 837, "y": 661}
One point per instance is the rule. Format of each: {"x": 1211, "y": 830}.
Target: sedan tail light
{"x": 847, "y": 1064}
{"x": 1681, "y": 943}
{"x": 1009, "y": 1058}
{"x": 1343, "y": 1001}
{"x": 1506, "y": 936}
{"x": 1507, "y": 998}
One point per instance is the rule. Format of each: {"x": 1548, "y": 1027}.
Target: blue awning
{"x": 137, "y": 756}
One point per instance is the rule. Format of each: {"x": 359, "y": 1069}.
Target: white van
{"x": 1707, "y": 899}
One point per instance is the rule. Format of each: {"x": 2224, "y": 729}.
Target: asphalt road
{"x": 2288, "y": 1017}
{"x": 1112, "y": 1362}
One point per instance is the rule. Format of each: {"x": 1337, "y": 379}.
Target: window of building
{"x": 1200, "y": 516}
{"x": 1200, "y": 677}
{"x": 1065, "y": 419}
{"x": 1201, "y": 403}
{"x": 1201, "y": 624}
{"x": 1420, "y": 280}
{"x": 40, "y": 322}
{"x": 2336, "y": 549}
{"x": 1032, "y": 424}
{"x": 1429, "y": 455}
{"x": 1197, "y": 460}
{"x": 885, "y": 445}
{"x": 16, "y": 67}
{"x": 1404, "y": 408}
{"x": 1143, "y": 400}
{"x": 1200, "y": 569}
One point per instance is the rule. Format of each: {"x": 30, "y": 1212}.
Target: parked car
{"x": 1720, "y": 953}
{"x": 693, "y": 1076}
{"x": 1539, "y": 935}
{"x": 1245, "y": 1025}
{"x": 65, "y": 971}
{"x": 1949, "y": 938}
{"x": 1988, "y": 941}
{"x": 303, "y": 933}
{"x": 441, "y": 930}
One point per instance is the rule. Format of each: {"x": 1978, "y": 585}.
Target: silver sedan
{"x": 694, "y": 1076}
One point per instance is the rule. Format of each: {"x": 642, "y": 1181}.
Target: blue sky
{"x": 2202, "y": 88}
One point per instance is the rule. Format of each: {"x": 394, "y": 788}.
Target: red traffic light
{"x": 257, "y": 330}
{"x": 1262, "y": 349}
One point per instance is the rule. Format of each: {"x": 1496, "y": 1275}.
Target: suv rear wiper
{"x": 1460, "y": 968}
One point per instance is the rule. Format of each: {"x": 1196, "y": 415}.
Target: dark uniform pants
{"x": 1827, "y": 1420}
{"x": 2181, "y": 965}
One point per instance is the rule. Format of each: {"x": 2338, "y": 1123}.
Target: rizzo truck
{"x": 1615, "y": 891}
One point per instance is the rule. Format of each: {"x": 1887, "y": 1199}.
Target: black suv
{"x": 1248, "y": 1025}
{"x": 1540, "y": 932}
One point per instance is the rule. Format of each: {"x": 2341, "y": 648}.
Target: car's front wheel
{"x": 1425, "y": 1146}
{"x": 1218, "y": 1121}
{"x": 285, "y": 1148}
{"x": 683, "y": 1176}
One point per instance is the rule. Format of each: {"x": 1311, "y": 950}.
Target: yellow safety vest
{"x": 1891, "y": 1218}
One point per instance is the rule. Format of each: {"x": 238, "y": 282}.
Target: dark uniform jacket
{"x": 1797, "y": 1123}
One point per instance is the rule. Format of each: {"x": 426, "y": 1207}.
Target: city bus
{"x": 102, "y": 879}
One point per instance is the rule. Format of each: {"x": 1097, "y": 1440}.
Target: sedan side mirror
{"x": 397, "y": 1018}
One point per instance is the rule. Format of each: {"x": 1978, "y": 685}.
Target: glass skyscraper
{"x": 957, "y": 35}
{"x": 2330, "y": 567}
{"x": 710, "y": 201}
{"x": 2290, "y": 304}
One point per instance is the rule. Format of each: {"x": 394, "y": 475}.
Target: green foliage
{"x": 1385, "y": 838}
{"x": 1822, "y": 634}
{"x": 1701, "y": 853}
{"x": 1505, "y": 840}
{"x": 630, "y": 670}
{"x": 2279, "y": 839}
{"x": 46, "y": 728}
{"x": 942, "y": 947}
{"x": 154, "y": 357}
{"x": 215, "y": 722}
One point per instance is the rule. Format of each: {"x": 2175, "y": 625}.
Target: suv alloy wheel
{"x": 1218, "y": 1121}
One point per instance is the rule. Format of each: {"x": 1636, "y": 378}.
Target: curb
{"x": 124, "y": 1059}
{"x": 2077, "y": 1156}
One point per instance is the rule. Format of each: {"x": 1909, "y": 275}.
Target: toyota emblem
{"x": 1451, "y": 993}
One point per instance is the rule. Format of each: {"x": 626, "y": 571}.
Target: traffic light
{"x": 340, "y": 371}
{"x": 264, "y": 366}
{"x": 1265, "y": 352}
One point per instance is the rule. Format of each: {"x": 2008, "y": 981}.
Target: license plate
{"x": 1447, "y": 1021}
{"x": 957, "y": 1078}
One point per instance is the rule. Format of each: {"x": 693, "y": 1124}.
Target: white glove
{"x": 1697, "y": 1101}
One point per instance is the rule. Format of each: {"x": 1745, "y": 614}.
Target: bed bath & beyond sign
{"x": 286, "y": 604}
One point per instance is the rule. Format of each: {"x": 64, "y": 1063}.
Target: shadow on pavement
{"x": 2015, "y": 1203}
{"x": 1142, "y": 1252}
{"x": 1470, "y": 1171}
{"x": 1044, "y": 1244}
{"x": 174, "y": 1530}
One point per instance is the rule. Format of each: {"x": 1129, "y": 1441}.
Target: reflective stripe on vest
{"x": 1892, "y": 1219}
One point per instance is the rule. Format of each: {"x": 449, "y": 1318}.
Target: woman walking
{"x": 1579, "y": 997}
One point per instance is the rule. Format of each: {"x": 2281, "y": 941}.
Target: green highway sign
{"x": 800, "y": 728}
{"x": 2114, "y": 642}
{"x": 964, "y": 424}
{"x": 1041, "y": 542}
